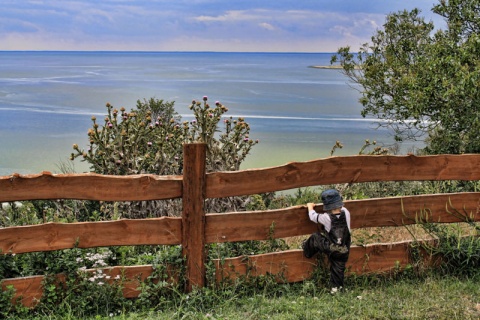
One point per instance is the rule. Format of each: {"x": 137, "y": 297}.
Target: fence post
{"x": 193, "y": 215}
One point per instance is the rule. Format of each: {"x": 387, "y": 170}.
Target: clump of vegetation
{"x": 149, "y": 140}
{"x": 454, "y": 248}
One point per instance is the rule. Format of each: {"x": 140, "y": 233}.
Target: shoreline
{"x": 326, "y": 67}
{"x": 336, "y": 67}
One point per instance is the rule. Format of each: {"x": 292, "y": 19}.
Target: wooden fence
{"x": 195, "y": 228}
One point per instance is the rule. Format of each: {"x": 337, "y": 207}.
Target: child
{"x": 335, "y": 240}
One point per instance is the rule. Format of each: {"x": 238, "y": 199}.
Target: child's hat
{"x": 331, "y": 199}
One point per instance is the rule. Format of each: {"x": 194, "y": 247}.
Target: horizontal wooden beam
{"x": 29, "y": 290}
{"x": 57, "y": 236}
{"x": 292, "y": 266}
{"x": 381, "y": 212}
{"x": 349, "y": 169}
{"x": 230, "y": 227}
{"x": 89, "y": 186}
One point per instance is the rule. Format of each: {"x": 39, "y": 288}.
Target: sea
{"x": 297, "y": 112}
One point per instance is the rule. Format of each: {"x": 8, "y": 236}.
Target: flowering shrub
{"x": 149, "y": 140}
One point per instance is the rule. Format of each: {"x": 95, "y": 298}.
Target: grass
{"x": 427, "y": 297}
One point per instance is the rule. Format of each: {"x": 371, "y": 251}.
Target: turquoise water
{"x": 297, "y": 112}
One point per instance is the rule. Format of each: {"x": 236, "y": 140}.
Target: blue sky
{"x": 196, "y": 25}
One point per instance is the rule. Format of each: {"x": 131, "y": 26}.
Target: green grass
{"x": 429, "y": 297}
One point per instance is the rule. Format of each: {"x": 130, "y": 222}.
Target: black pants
{"x": 318, "y": 242}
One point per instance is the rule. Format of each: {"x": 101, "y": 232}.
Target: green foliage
{"x": 456, "y": 246}
{"x": 149, "y": 140}
{"x": 417, "y": 82}
{"x": 300, "y": 196}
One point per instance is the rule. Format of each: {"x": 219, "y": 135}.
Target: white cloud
{"x": 267, "y": 26}
{"x": 184, "y": 25}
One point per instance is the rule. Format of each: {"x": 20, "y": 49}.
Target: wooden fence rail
{"x": 196, "y": 228}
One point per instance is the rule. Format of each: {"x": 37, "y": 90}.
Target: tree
{"x": 422, "y": 83}
{"x": 149, "y": 140}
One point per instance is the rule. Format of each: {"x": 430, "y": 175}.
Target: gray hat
{"x": 331, "y": 199}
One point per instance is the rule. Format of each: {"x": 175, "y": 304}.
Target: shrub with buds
{"x": 149, "y": 140}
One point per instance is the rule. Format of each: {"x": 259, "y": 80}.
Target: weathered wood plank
{"x": 193, "y": 215}
{"x": 56, "y": 236}
{"x": 29, "y": 290}
{"x": 348, "y": 169}
{"x": 292, "y": 266}
{"x": 89, "y": 186}
{"x": 381, "y": 212}
{"x": 289, "y": 266}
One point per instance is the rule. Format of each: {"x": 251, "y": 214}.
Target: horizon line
{"x": 171, "y": 51}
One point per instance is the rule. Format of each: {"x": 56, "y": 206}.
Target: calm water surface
{"x": 297, "y": 112}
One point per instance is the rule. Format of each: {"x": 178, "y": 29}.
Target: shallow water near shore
{"x": 297, "y": 112}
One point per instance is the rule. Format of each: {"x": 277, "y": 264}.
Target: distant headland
{"x": 326, "y": 67}
{"x": 332, "y": 67}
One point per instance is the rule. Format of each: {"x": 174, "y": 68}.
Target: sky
{"x": 196, "y": 25}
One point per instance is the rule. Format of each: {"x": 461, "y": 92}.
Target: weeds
{"x": 456, "y": 246}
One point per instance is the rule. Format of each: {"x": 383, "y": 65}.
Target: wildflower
{"x": 110, "y": 125}
{"x": 205, "y": 98}
{"x": 75, "y": 146}
{"x": 217, "y": 103}
{"x": 94, "y": 118}
{"x": 245, "y": 139}
{"x": 149, "y": 143}
{"x": 210, "y": 115}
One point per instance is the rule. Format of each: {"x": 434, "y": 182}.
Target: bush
{"x": 149, "y": 140}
